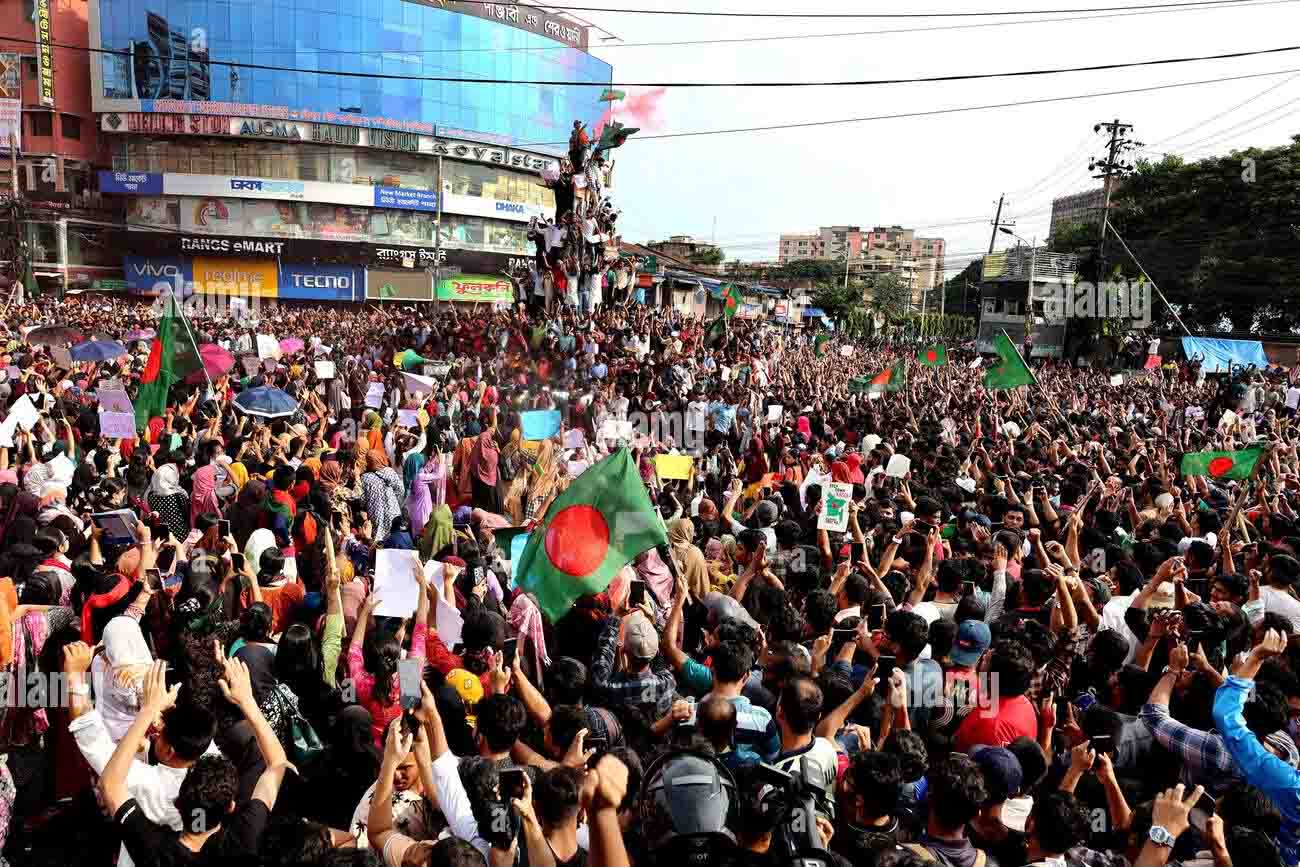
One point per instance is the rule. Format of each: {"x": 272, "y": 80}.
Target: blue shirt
{"x": 1263, "y": 770}
{"x": 723, "y": 415}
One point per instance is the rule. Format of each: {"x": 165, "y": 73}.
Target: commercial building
{"x": 46, "y": 112}
{"x": 277, "y": 183}
{"x": 1084, "y": 208}
{"x": 918, "y": 261}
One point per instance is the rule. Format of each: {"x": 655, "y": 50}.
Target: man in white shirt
{"x": 186, "y": 735}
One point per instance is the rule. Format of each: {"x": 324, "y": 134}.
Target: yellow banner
{"x": 674, "y": 466}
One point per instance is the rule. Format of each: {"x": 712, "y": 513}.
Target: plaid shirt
{"x": 1206, "y": 760}
{"x": 1054, "y": 677}
{"x": 652, "y": 691}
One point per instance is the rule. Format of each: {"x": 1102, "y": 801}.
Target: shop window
{"x": 71, "y": 127}
{"x": 41, "y": 123}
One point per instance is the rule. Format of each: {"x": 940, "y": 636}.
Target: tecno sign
{"x": 322, "y": 281}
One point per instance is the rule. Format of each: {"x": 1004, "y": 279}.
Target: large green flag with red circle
{"x": 1222, "y": 465}
{"x": 591, "y": 531}
{"x": 934, "y": 355}
{"x": 730, "y": 300}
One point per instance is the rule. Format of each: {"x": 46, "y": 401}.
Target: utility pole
{"x": 1110, "y": 168}
{"x": 846, "y": 267}
{"x": 997, "y": 221}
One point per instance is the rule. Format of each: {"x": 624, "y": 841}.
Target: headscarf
{"x": 281, "y": 503}
{"x": 331, "y": 476}
{"x": 483, "y": 459}
{"x": 118, "y": 674}
{"x": 438, "y": 531}
{"x": 804, "y": 427}
{"x": 376, "y": 459}
{"x": 166, "y": 481}
{"x": 840, "y": 472}
{"x": 204, "y": 496}
{"x": 689, "y": 560}
{"x": 854, "y": 462}
{"x": 101, "y": 600}
{"x": 526, "y": 620}
{"x": 262, "y": 540}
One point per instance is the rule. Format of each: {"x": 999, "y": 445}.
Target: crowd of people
{"x": 1035, "y": 641}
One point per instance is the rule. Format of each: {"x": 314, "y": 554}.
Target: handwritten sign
{"x": 835, "y": 507}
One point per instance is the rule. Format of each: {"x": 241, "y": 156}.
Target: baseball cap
{"x": 1002, "y": 772}
{"x": 640, "y": 641}
{"x": 973, "y": 639}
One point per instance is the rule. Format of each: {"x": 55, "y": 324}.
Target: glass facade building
{"x": 164, "y": 52}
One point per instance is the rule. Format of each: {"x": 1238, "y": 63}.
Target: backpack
{"x": 923, "y": 852}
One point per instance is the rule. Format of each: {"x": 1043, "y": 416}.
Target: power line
{"x": 973, "y": 76}
{"x": 940, "y": 111}
{"x": 1227, "y": 111}
{"x": 784, "y": 37}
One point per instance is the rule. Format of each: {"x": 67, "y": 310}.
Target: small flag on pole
{"x": 934, "y": 355}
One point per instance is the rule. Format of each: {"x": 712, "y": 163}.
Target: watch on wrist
{"x": 1161, "y": 836}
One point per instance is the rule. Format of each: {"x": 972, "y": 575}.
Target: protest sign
{"x": 395, "y": 582}
{"x": 375, "y": 395}
{"x": 540, "y": 424}
{"x": 117, "y": 425}
{"x": 674, "y": 466}
{"x": 835, "y": 507}
{"x": 899, "y": 466}
{"x": 324, "y": 369}
{"x": 268, "y": 347}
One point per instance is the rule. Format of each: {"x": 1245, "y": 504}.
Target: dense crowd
{"x": 1035, "y": 641}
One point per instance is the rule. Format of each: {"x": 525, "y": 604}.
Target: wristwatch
{"x": 1161, "y": 836}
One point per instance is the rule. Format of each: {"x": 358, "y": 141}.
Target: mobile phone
{"x": 408, "y": 679}
{"x": 689, "y": 722}
{"x": 885, "y": 666}
{"x": 237, "y": 562}
{"x": 165, "y": 558}
{"x": 876, "y": 617}
{"x": 1102, "y": 743}
{"x": 843, "y": 634}
{"x": 153, "y": 580}
{"x": 968, "y": 588}
{"x": 636, "y": 594}
{"x": 508, "y": 651}
{"x": 597, "y": 744}
{"x": 513, "y": 783}
{"x": 223, "y": 528}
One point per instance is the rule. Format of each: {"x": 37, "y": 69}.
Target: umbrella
{"x": 140, "y": 334}
{"x": 266, "y": 401}
{"x": 54, "y": 335}
{"x": 216, "y": 361}
{"x": 97, "y": 350}
{"x": 290, "y": 345}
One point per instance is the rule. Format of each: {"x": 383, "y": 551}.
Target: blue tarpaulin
{"x": 1219, "y": 353}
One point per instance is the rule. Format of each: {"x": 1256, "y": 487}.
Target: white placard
{"x": 24, "y": 411}
{"x": 399, "y": 592}
{"x": 614, "y": 429}
{"x": 408, "y": 418}
{"x": 446, "y": 616}
{"x": 268, "y": 347}
{"x": 774, "y": 412}
{"x": 1117, "y": 379}
{"x": 834, "y": 515}
{"x": 899, "y": 466}
{"x": 324, "y": 369}
{"x": 846, "y": 351}
{"x": 375, "y": 395}
{"x": 574, "y": 438}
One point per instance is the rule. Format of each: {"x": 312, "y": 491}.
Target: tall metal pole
{"x": 846, "y": 266}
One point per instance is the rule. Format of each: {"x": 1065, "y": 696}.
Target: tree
{"x": 962, "y": 292}
{"x": 1077, "y": 238}
{"x": 816, "y": 270}
{"x": 837, "y": 301}
{"x": 888, "y": 294}
{"x": 707, "y": 256}
{"x": 1219, "y": 236}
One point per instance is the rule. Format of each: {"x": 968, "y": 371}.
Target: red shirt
{"x": 1014, "y": 717}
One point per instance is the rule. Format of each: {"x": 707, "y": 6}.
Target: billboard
{"x": 45, "y": 52}
{"x": 476, "y": 287}
{"x": 388, "y": 285}
{"x": 11, "y": 99}
{"x": 217, "y": 186}
{"x": 247, "y": 278}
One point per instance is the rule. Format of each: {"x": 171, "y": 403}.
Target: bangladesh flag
{"x": 933, "y": 356}
{"x": 1222, "y": 465}
{"x": 172, "y": 357}
{"x": 730, "y": 300}
{"x": 591, "y": 531}
{"x": 821, "y": 345}
{"x": 1011, "y": 370}
{"x": 859, "y": 384}
{"x": 716, "y": 334}
{"x": 891, "y": 379}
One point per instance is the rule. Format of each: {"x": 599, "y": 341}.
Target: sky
{"x": 942, "y": 174}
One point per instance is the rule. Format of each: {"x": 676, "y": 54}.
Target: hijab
{"x": 166, "y": 482}
{"x": 331, "y": 476}
{"x": 689, "y": 560}
{"x": 854, "y": 463}
{"x": 526, "y": 620}
{"x": 376, "y": 459}
{"x": 118, "y": 674}
{"x": 840, "y": 472}
{"x": 483, "y": 459}
{"x": 204, "y": 498}
{"x": 438, "y": 531}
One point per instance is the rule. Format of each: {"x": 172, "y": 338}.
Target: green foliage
{"x": 1077, "y": 238}
{"x": 707, "y": 256}
{"x": 1220, "y": 236}
{"x": 888, "y": 294}
{"x": 817, "y": 270}
{"x": 838, "y": 302}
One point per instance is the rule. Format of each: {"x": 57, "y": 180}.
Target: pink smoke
{"x": 641, "y": 110}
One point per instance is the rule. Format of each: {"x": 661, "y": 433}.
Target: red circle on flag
{"x": 577, "y": 540}
{"x": 931, "y": 355}
{"x": 1221, "y": 465}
